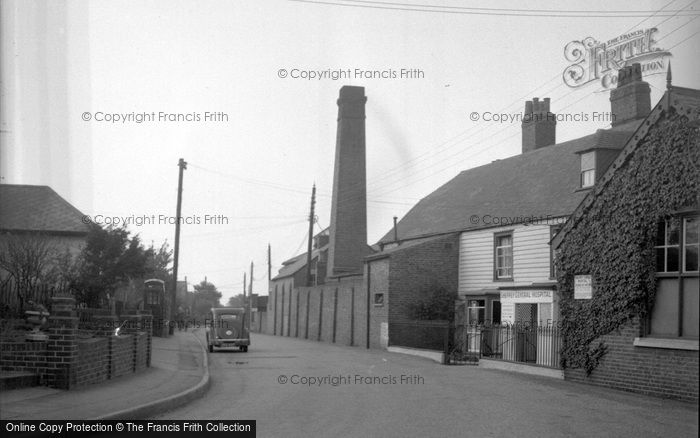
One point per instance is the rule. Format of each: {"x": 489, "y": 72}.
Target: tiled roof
{"x": 685, "y": 101}
{"x": 293, "y": 265}
{"x": 539, "y": 183}
{"x": 38, "y": 208}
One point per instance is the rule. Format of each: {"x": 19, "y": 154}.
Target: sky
{"x": 251, "y": 169}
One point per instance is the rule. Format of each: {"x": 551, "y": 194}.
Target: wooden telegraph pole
{"x": 269, "y": 267}
{"x": 250, "y": 297}
{"x": 309, "y": 247}
{"x": 182, "y": 165}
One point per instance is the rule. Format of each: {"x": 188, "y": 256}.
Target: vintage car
{"x": 227, "y": 327}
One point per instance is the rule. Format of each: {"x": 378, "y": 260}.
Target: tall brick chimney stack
{"x": 539, "y": 125}
{"x": 348, "y": 229}
{"x": 631, "y": 99}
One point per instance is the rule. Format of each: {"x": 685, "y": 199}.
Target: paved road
{"x": 370, "y": 399}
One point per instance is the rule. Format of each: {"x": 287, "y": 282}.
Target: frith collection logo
{"x": 595, "y": 61}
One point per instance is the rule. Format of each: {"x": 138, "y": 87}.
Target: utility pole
{"x": 250, "y": 297}
{"x": 311, "y": 236}
{"x": 250, "y": 284}
{"x": 244, "y": 286}
{"x": 269, "y": 268}
{"x": 182, "y": 164}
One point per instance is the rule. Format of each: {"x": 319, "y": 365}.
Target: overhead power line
{"x": 463, "y": 10}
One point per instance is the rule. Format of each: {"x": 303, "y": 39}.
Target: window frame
{"x": 665, "y": 246}
{"x": 679, "y": 275}
{"x": 482, "y": 307}
{"x": 684, "y": 244}
{"x": 585, "y": 171}
{"x": 496, "y": 237}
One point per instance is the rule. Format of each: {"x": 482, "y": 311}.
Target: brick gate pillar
{"x": 62, "y": 349}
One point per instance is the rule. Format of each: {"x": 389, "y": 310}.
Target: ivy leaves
{"x": 614, "y": 241}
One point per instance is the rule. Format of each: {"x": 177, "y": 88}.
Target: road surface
{"x": 304, "y": 388}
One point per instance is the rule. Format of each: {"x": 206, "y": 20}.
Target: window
{"x": 667, "y": 245}
{"x": 691, "y": 244}
{"x": 553, "y": 230}
{"x": 503, "y": 260}
{"x": 588, "y": 169}
{"x": 476, "y": 311}
{"x": 675, "y": 311}
{"x": 378, "y": 300}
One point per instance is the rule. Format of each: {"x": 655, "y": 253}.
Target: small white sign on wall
{"x": 583, "y": 287}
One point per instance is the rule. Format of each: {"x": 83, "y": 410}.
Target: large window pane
{"x": 672, "y": 232}
{"x": 691, "y": 259}
{"x": 671, "y": 259}
{"x": 587, "y": 178}
{"x": 664, "y": 315}
{"x": 588, "y": 161}
{"x": 692, "y": 230}
{"x": 690, "y": 307}
{"x": 504, "y": 256}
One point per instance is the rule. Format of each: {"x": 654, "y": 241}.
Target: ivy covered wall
{"x": 614, "y": 240}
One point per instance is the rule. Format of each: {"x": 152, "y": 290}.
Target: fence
{"x": 464, "y": 344}
{"x": 537, "y": 345}
{"x": 10, "y": 301}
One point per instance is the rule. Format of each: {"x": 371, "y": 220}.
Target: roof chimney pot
{"x": 631, "y": 100}
{"x": 539, "y": 125}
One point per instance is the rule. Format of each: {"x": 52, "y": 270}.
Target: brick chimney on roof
{"x": 631, "y": 99}
{"x": 348, "y": 228}
{"x": 539, "y": 125}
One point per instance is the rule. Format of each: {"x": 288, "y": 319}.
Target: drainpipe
{"x": 369, "y": 275}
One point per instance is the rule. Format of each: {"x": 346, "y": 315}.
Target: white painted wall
{"x": 530, "y": 257}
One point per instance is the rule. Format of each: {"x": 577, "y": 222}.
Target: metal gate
{"x": 463, "y": 342}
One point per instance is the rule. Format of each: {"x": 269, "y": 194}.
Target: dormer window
{"x": 588, "y": 169}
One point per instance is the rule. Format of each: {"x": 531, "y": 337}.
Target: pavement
{"x": 179, "y": 374}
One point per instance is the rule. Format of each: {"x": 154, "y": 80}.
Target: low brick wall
{"x": 65, "y": 361}
{"x": 92, "y": 365}
{"x": 121, "y": 356}
{"x": 23, "y": 356}
{"x": 141, "y": 351}
{"x": 652, "y": 371}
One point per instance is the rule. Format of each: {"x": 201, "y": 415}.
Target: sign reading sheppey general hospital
{"x": 583, "y": 287}
{"x": 598, "y": 62}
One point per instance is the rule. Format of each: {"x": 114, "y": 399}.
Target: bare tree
{"x": 27, "y": 261}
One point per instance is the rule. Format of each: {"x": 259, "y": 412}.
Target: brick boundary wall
{"x": 121, "y": 355}
{"x": 652, "y": 371}
{"x": 23, "y": 356}
{"x": 336, "y": 311}
{"x": 65, "y": 361}
{"x": 326, "y": 313}
{"x": 92, "y": 365}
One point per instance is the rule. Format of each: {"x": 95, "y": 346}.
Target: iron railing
{"x": 531, "y": 344}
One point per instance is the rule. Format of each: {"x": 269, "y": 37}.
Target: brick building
{"x": 634, "y": 240}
